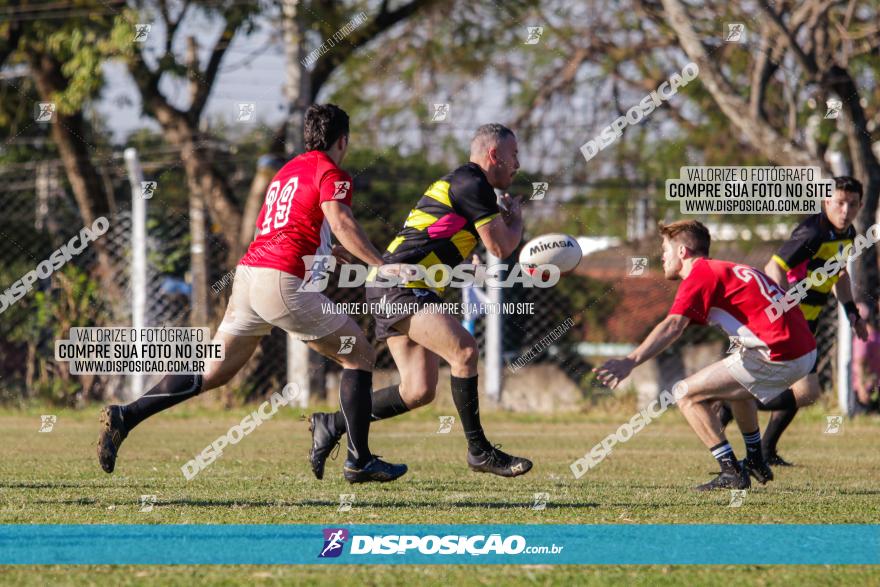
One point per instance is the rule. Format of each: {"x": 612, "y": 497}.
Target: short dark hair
{"x": 324, "y": 124}
{"x": 691, "y": 233}
{"x": 491, "y": 134}
{"x": 848, "y": 184}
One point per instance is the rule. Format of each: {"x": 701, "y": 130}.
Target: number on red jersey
{"x": 282, "y": 211}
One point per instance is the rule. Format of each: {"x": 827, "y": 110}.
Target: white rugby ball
{"x": 556, "y": 248}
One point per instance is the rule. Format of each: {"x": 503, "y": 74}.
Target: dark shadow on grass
{"x": 79, "y": 501}
{"x": 400, "y": 505}
{"x": 378, "y": 504}
{"x": 639, "y": 486}
{"x": 67, "y": 485}
{"x": 520, "y": 505}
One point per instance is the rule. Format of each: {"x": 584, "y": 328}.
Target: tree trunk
{"x": 866, "y": 168}
{"x": 201, "y": 174}
{"x": 198, "y": 257}
{"x": 68, "y": 132}
{"x": 197, "y": 249}
{"x": 267, "y": 166}
{"x": 298, "y": 78}
{"x": 760, "y": 135}
{"x": 772, "y": 145}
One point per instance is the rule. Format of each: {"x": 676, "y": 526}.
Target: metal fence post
{"x": 298, "y": 369}
{"x": 493, "y": 338}
{"x": 845, "y": 395}
{"x": 138, "y": 256}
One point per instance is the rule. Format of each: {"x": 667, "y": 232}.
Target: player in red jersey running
{"x": 307, "y": 199}
{"x": 768, "y": 356}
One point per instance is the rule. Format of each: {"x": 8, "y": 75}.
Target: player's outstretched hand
{"x": 614, "y": 371}
{"x": 511, "y": 208}
{"x": 860, "y": 328}
{"x": 504, "y": 203}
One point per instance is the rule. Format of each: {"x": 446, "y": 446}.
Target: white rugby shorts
{"x": 263, "y": 297}
{"x": 766, "y": 379}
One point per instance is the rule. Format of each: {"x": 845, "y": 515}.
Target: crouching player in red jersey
{"x": 768, "y": 355}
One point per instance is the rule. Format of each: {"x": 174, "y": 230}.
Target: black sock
{"x": 723, "y": 453}
{"x": 355, "y": 401}
{"x": 339, "y": 420}
{"x": 779, "y": 421}
{"x": 725, "y": 414}
{"x": 387, "y": 403}
{"x": 467, "y": 402}
{"x": 172, "y": 390}
{"x": 753, "y": 445}
{"x": 783, "y": 401}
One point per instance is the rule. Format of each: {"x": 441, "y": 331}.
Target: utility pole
{"x": 297, "y": 89}
{"x": 197, "y": 249}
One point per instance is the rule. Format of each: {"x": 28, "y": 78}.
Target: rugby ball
{"x": 556, "y": 248}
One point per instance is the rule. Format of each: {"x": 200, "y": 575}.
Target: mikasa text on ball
{"x": 557, "y": 249}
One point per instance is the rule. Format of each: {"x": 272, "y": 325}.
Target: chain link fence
{"x": 38, "y": 218}
{"x": 826, "y": 343}
{"x": 574, "y": 352}
{"x": 40, "y": 214}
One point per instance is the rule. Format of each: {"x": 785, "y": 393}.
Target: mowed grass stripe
{"x": 54, "y": 477}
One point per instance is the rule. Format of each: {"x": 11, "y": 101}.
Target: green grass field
{"x": 54, "y": 478}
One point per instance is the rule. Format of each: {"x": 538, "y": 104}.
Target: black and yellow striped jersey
{"x": 442, "y": 227}
{"x": 813, "y": 242}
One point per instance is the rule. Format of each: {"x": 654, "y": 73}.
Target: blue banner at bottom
{"x": 441, "y": 544}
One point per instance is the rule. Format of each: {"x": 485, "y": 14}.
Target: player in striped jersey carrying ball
{"x": 442, "y": 229}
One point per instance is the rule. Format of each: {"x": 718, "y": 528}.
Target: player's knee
{"x": 685, "y": 402}
{"x": 215, "y": 378}
{"x": 419, "y": 394}
{"x": 466, "y": 355}
{"x": 807, "y": 397}
{"x": 364, "y": 358}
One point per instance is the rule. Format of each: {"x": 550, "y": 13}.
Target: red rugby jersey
{"x": 735, "y": 297}
{"x": 291, "y": 223}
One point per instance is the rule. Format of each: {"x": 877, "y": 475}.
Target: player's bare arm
{"x": 510, "y": 207}
{"x": 340, "y": 253}
{"x": 664, "y": 334}
{"x": 350, "y": 234}
{"x": 776, "y": 273}
{"x": 843, "y": 292}
{"x": 501, "y": 236}
{"x": 353, "y": 240}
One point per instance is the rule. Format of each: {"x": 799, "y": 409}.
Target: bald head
{"x": 494, "y": 149}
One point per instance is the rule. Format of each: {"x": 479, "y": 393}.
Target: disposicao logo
{"x": 334, "y": 540}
